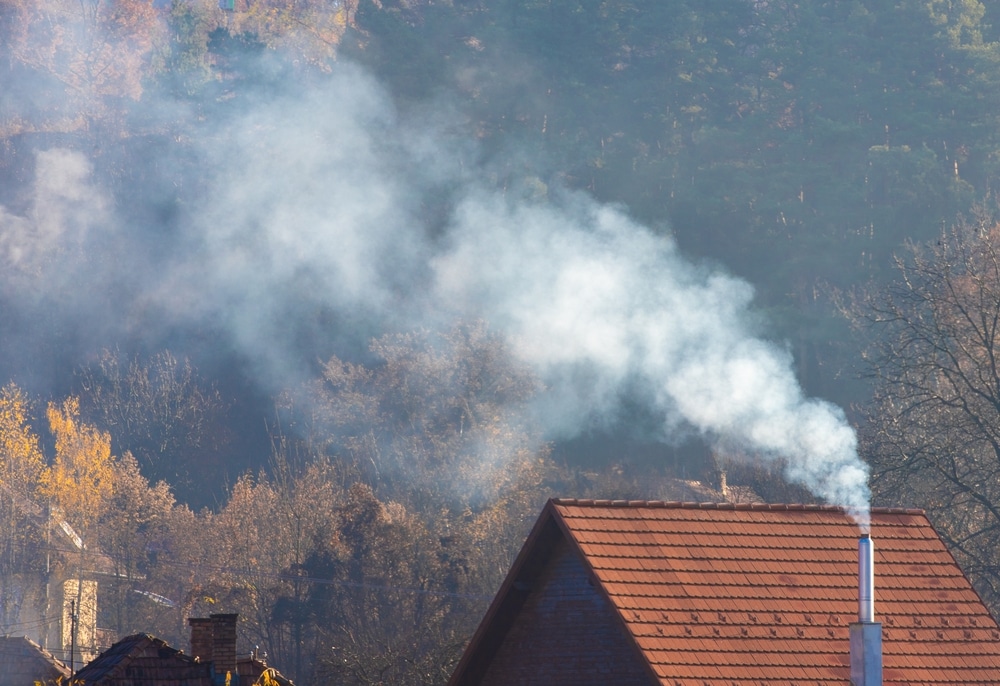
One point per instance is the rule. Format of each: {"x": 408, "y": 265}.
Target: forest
{"x": 307, "y": 306}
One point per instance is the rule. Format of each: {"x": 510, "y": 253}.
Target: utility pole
{"x": 72, "y": 639}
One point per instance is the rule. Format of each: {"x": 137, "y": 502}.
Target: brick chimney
{"x": 224, "y": 643}
{"x": 201, "y": 638}
{"x": 213, "y": 639}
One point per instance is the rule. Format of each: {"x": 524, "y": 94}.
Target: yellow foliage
{"x": 21, "y": 460}
{"x": 266, "y": 678}
{"x": 80, "y": 480}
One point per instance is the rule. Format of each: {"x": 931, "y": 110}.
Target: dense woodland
{"x": 353, "y": 471}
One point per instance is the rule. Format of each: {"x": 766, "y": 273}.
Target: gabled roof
{"x": 22, "y": 661}
{"x": 144, "y": 659}
{"x": 758, "y": 594}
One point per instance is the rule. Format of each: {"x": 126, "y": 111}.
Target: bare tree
{"x": 933, "y": 427}
{"x": 161, "y": 411}
{"x": 441, "y": 416}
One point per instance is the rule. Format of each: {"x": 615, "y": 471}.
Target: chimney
{"x": 224, "y": 643}
{"x": 213, "y": 639}
{"x": 201, "y": 638}
{"x": 866, "y": 633}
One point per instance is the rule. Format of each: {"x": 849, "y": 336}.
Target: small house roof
{"x": 22, "y": 661}
{"x": 144, "y": 659}
{"x": 724, "y": 593}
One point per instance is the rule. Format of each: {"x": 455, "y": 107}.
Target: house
{"x": 22, "y": 661}
{"x": 147, "y": 660}
{"x": 59, "y": 605}
{"x": 684, "y": 594}
{"x": 144, "y": 660}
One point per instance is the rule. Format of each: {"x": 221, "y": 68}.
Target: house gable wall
{"x": 24, "y": 662}
{"x": 566, "y": 633}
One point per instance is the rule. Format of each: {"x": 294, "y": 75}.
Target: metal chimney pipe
{"x": 866, "y": 633}
{"x": 866, "y": 579}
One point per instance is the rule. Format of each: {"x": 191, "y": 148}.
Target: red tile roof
{"x": 717, "y": 594}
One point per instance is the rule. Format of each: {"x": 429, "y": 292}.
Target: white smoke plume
{"x": 581, "y": 287}
{"x": 63, "y": 208}
{"x": 318, "y": 204}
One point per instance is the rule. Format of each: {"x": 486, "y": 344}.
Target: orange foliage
{"x": 97, "y": 49}
{"x": 80, "y": 480}
{"x": 310, "y": 28}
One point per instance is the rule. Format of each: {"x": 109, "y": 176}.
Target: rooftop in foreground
{"x": 724, "y": 593}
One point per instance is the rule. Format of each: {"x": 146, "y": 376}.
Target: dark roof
{"x": 144, "y": 659}
{"x": 726, "y": 593}
{"x": 22, "y": 661}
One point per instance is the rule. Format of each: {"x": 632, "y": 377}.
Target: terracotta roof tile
{"x": 763, "y": 594}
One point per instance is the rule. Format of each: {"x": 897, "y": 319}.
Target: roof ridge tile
{"x": 761, "y": 507}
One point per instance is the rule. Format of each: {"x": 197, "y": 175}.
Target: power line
{"x": 277, "y": 576}
{"x": 34, "y": 624}
{"x": 336, "y": 582}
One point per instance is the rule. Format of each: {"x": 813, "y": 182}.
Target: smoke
{"x": 329, "y": 214}
{"x": 601, "y": 306}
{"x": 61, "y": 269}
{"x": 64, "y": 207}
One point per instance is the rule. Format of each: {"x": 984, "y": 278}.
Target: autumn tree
{"x": 99, "y": 51}
{"x": 932, "y": 432}
{"x": 79, "y": 482}
{"x": 440, "y": 413}
{"x": 134, "y": 531}
{"x": 450, "y": 472}
{"x": 260, "y": 543}
{"x": 181, "y": 568}
{"x": 251, "y": 554}
{"x": 309, "y": 29}
{"x": 357, "y": 556}
{"x": 22, "y": 519}
{"x": 386, "y": 612}
{"x": 186, "y": 65}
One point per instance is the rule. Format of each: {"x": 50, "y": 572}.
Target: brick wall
{"x": 201, "y": 638}
{"x": 224, "y": 643}
{"x": 566, "y": 633}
